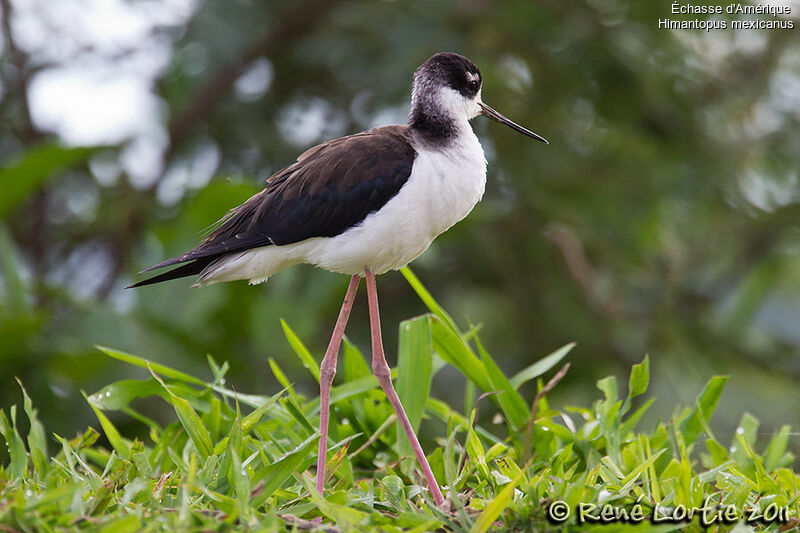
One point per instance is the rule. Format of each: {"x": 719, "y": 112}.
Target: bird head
{"x": 449, "y": 85}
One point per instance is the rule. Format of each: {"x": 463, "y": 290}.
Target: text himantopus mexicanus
{"x": 361, "y": 205}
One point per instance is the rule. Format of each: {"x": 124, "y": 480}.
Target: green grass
{"x": 232, "y": 461}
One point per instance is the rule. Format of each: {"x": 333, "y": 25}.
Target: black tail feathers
{"x": 189, "y": 269}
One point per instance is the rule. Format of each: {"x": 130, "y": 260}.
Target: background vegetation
{"x": 233, "y": 461}
{"x": 661, "y": 219}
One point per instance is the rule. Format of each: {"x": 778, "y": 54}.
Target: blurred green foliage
{"x": 661, "y": 219}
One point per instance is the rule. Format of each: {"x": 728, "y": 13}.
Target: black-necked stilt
{"x": 361, "y": 205}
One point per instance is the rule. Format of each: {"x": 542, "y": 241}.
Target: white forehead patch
{"x": 473, "y": 76}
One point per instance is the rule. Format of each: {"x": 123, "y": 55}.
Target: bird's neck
{"x": 434, "y": 124}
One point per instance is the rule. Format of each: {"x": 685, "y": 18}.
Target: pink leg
{"x": 326, "y": 372}
{"x": 381, "y": 370}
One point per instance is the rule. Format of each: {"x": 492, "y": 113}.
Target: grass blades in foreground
{"x": 234, "y": 461}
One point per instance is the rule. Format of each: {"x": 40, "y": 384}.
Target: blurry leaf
{"x": 748, "y": 430}
{"x": 475, "y": 448}
{"x": 339, "y": 460}
{"x": 637, "y": 385}
{"x": 450, "y": 347}
{"x": 275, "y": 474}
{"x": 749, "y": 294}
{"x": 691, "y": 426}
{"x": 36, "y": 440}
{"x": 394, "y": 485}
{"x": 470, "y": 393}
{"x": 509, "y": 468}
{"x": 608, "y": 408}
{"x": 414, "y": 354}
{"x": 279, "y": 374}
{"x": 608, "y": 386}
{"x": 765, "y": 484}
{"x": 427, "y": 299}
{"x": 541, "y": 366}
{"x": 27, "y": 174}
{"x": 495, "y": 451}
{"x": 14, "y": 289}
{"x": 633, "y": 475}
{"x": 651, "y": 478}
{"x": 512, "y": 404}
{"x": 146, "y": 363}
{"x": 113, "y": 436}
{"x": 190, "y": 421}
{"x": 302, "y": 352}
{"x": 630, "y": 423}
{"x": 254, "y": 417}
{"x": 126, "y": 524}
{"x": 354, "y": 367}
{"x": 49, "y": 497}
{"x": 418, "y": 522}
{"x": 718, "y": 453}
{"x": 347, "y": 391}
{"x": 252, "y": 400}
{"x": 297, "y": 413}
{"x": 640, "y": 378}
{"x": 448, "y": 415}
{"x": 119, "y": 394}
{"x": 610, "y": 470}
{"x": 344, "y": 516}
{"x": 219, "y": 371}
{"x": 776, "y": 449}
{"x": 353, "y": 363}
{"x": 14, "y": 443}
{"x": 497, "y": 506}
{"x": 241, "y": 482}
{"x": 282, "y": 379}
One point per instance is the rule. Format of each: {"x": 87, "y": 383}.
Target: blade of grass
{"x": 147, "y": 364}
{"x": 496, "y": 507}
{"x": 190, "y": 421}
{"x": 541, "y": 366}
{"x": 692, "y": 426}
{"x": 427, "y": 299}
{"x": 512, "y": 404}
{"x": 414, "y": 366}
{"x": 300, "y": 349}
{"x": 527, "y": 443}
{"x": 640, "y": 378}
{"x": 475, "y": 448}
{"x": 347, "y": 391}
{"x": 353, "y": 364}
{"x": 16, "y": 447}
{"x": 450, "y": 347}
{"x": 37, "y": 444}
{"x": 274, "y": 475}
{"x": 113, "y": 436}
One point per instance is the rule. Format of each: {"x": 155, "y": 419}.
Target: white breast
{"x": 444, "y": 186}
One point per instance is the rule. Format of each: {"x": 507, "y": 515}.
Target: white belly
{"x": 442, "y": 189}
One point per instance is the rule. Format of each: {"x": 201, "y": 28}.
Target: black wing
{"x": 330, "y": 188}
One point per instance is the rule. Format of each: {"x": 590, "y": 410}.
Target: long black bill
{"x": 494, "y": 115}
